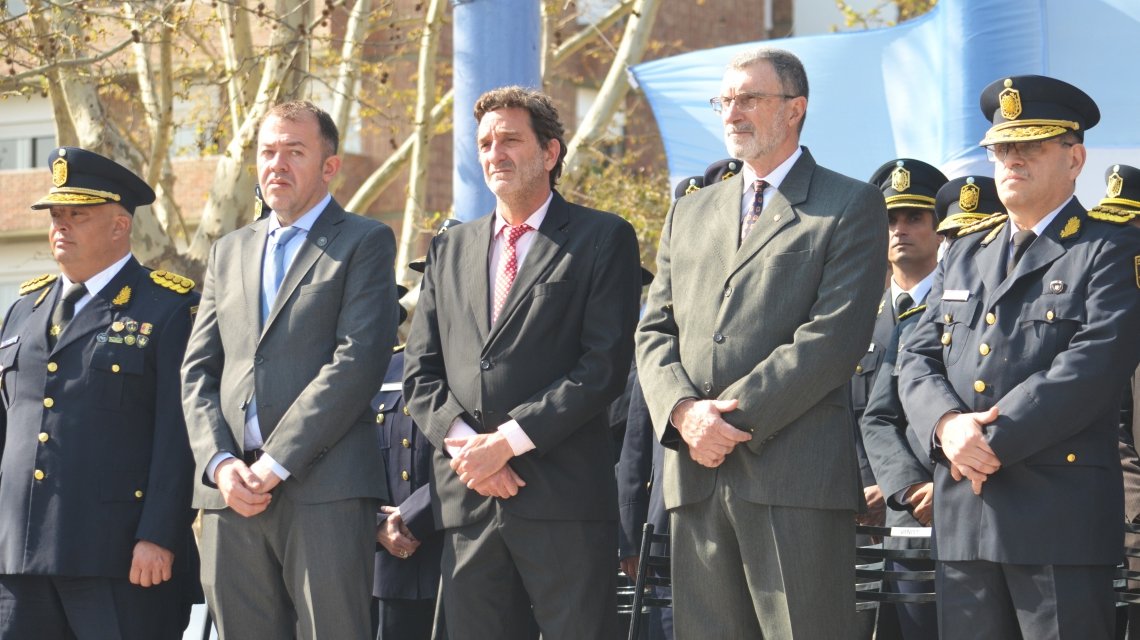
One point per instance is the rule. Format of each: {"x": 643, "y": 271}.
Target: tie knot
{"x": 74, "y": 293}
{"x": 903, "y": 303}
{"x": 284, "y": 235}
{"x": 759, "y": 186}
{"x": 514, "y": 233}
{"x": 1023, "y": 238}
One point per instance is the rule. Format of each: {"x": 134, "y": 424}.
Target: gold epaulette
{"x": 913, "y": 311}
{"x": 172, "y": 281}
{"x": 989, "y": 222}
{"x": 38, "y": 282}
{"x": 1113, "y": 215}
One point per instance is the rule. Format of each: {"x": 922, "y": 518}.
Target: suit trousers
{"x": 301, "y": 570}
{"x": 980, "y": 599}
{"x": 505, "y": 573}
{"x": 747, "y": 570}
{"x": 61, "y": 608}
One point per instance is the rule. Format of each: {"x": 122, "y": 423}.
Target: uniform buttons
{"x": 858, "y": 368}
{"x": 406, "y": 411}
{"x": 49, "y": 403}
{"x": 44, "y": 437}
{"x": 485, "y": 365}
{"x": 948, "y": 318}
{"x": 404, "y": 475}
{"x": 114, "y": 368}
{"x": 38, "y": 475}
{"x": 1072, "y": 457}
{"x": 984, "y": 349}
{"x": 991, "y": 318}
{"x": 379, "y": 418}
{"x": 727, "y": 291}
{"x": 979, "y": 386}
{"x": 708, "y": 387}
{"x": 52, "y": 367}
{"x": 718, "y": 338}
{"x": 406, "y": 443}
{"x": 478, "y": 414}
{"x": 138, "y": 494}
{"x": 1049, "y": 315}
{"x": 946, "y": 339}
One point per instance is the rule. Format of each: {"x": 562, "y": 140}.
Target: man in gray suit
{"x": 293, "y": 336}
{"x": 522, "y": 337}
{"x": 764, "y": 301}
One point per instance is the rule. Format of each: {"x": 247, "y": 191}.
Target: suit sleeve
{"x": 366, "y": 330}
{"x": 202, "y": 377}
{"x": 796, "y": 376}
{"x": 634, "y": 473}
{"x": 166, "y": 513}
{"x": 606, "y": 346}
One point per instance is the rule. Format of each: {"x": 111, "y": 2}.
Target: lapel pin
{"x": 322, "y": 241}
{"x": 1057, "y": 286}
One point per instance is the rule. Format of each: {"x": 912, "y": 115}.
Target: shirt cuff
{"x": 279, "y": 470}
{"x": 212, "y": 467}
{"x": 516, "y": 437}
{"x": 458, "y": 429}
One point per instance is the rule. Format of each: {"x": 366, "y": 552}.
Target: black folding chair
{"x": 652, "y": 571}
{"x": 1124, "y": 580}
{"x": 871, "y": 577}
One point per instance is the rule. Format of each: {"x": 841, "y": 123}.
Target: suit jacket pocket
{"x": 554, "y": 288}
{"x": 110, "y": 363}
{"x": 788, "y": 258}
{"x": 321, "y": 287}
{"x": 1053, "y": 320}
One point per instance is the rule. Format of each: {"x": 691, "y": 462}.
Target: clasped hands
{"x": 394, "y": 535}
{"x": 965, "y": 446}
{"x": 246, "y": 488}
{"x": 709, "y": 437}
{"x": 482, "y": 464}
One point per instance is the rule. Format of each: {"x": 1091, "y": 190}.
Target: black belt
{"x": 252, "y": 456}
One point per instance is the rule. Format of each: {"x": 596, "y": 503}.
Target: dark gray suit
{"x": 779, "y": 325}
{"x": 313, "y": 367}
{"x": 553, "y": 362}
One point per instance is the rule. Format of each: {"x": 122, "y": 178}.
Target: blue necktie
{"x": 269, "y": 293}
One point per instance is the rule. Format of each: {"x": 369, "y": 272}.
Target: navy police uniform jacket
{"x": 407, "y": 455}
{"x": 865, "y": 375}
{"x": 1049, "y": 346}
{"x": 96, "y": 455}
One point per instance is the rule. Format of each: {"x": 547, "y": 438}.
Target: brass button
{"x": 406, "y": 411}
{"x": 38, "y": 475}
{"x": 991, "y": 318}
{"x": 44, "y": 437}
{"x": 52, "y": 367}
{"x": 138, "y": 494}
{"x": 1072, "y": 457}
{"x": 49, "y": 403}
{"x": 1049, "y": 315}
{"x": 858, "y": 368}
{"x": 979, "y": 386}
{"x": 948, "y": 318}
{"x": 114, "y": 368}
{"x": 946, "y": 339}
{"x": 404, "y": 475}
{"x": 984, "y": 349}
{"x": 379, "y": 418}
{"x": 406, "y": 443}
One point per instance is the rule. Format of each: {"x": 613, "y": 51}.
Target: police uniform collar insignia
{"x": 1071, "y": 227}
{"x": 969, "y": 196}
{"x": 911, "y": 312}
{"x": 122, "y": 298}
{"x": 1010, "y": 101}
{"x": 900, "y": 178}
{"x": 37, "y": 282}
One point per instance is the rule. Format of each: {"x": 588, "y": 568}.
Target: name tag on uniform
{"x": 12, "y": 340}
{"x": 871, "y": 349}
{"x": 392, "y": 386}
{"x": 956, "y": 295}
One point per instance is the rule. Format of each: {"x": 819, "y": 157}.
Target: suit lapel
{"x": 547, "y": 244}
{"x": 323, "y": 233}
{"x": 252, "y": 258}
{"x": 96, "y": 314}
{"x": 779, "y": 213}
{"x": 473, "y": 264}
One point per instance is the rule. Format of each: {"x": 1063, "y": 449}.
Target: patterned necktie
{"x": 903, "y": 303}
{"x": 508, "y": 268}
{"x": 1021, "y": 242}
{"x": 753, "y": 214}
{"x": 64, "y": 311}
{"x": 272, "y": 285}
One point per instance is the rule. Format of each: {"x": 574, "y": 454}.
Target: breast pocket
{"x": 957, "y": 318}
{"x": 384, "y": 407}
{"x": 112, "y": 366}
{"x": 1052, "y": 321}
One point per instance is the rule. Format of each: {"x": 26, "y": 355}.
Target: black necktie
{"x": 1021, "y": 242}
{"x": 64, "y": 311}
{"x": 903, "y": 303}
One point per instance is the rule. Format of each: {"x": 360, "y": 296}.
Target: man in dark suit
{"x": 522, "y": 336}
{"x": 1013, "y": 378}
{"x": 763, "y": 302}
{"x": 95, "y": 500}
{"x": 295, "y": 331}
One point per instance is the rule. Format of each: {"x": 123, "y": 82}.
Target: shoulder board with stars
{"x": 1112, "y": 215}
{"x": 36, "y": 283}
{"x": 172, "y": 281}
{"x": 913, "y": 311}
{"x": 989, "y": 222}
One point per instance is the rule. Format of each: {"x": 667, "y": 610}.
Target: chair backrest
{"x": 871, "y": 576}
{"x": 652, "y": 570}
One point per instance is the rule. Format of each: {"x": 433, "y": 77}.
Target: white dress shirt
{"x": 95, "y": 283}
{"x": 773, "y": 179}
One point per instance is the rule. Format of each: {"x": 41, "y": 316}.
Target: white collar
{"x": 95, "y": 283}
{"x": 776, "y": 176}
{"x": 534, "y": 220}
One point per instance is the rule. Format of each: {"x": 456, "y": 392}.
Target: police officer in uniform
{"x": 96, "y": 470}
{"x": 901, "y": 463}
{"x": 1013, "y": 379}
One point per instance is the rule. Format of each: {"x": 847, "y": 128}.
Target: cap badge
{"x": 59, "y": 172}
{"x": 692, "y": 186}
{"x": 257, "y": 206}
{"x": 730, "y": 173}
{"x": 900, "y": 179}
{"x": 968, "y": 197}
{"x": 1010, "y": 100}
{"x": 1115, "y": 184}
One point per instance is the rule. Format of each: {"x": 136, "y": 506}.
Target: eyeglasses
{"x": 745, "y": 101}
{"x": 1029, "y": 150}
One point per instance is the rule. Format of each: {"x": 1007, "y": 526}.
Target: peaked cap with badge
{"x": 964, "y": 201}
{"x": 908, "y": 183}
{"x": 1121, "y": 195}
{"x": 82, "y": 178}
{"x": 1027, "y": 108}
